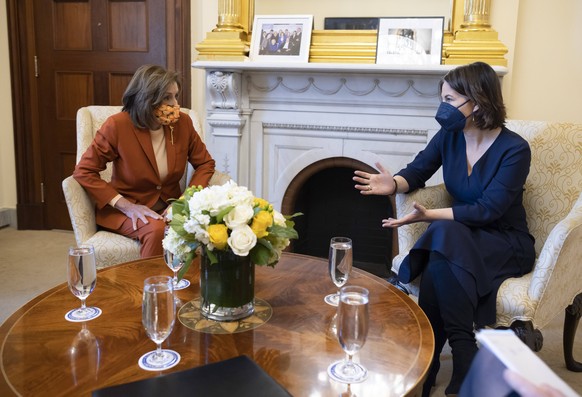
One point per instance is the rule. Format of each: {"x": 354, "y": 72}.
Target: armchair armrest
{"x": 81, "y": 210}
{"x": 554, "y": 281}
{"x": 430, "y": 197}
{"x": 558, "y": 269}
{"x": 219, "y": 178}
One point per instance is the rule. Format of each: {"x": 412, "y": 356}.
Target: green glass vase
{"x": 227, "y": 288}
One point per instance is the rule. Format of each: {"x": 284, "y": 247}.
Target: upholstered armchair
{"x": 110, "y": 248}
{"x": 553, "y": 201}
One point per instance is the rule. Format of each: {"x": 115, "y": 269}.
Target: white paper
{"x": 515, "y": 355}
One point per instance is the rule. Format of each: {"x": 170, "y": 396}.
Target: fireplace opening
{"x": 333, "y": 207}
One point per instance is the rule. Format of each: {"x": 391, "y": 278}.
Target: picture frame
{"x": 410, "y": 40}
{"x": 291, "y": 41}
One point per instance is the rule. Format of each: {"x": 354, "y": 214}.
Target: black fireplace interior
{"x": 333, "y": 207}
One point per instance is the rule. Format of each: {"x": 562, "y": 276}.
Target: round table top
{"x": 43, "y": 354}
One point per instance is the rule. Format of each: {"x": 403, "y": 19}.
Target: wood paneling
{"x": 117, "y": 84}
{"x": 128, "y": 25}
{"x": 72, "y": 22}
{"x": 73, "y": 91}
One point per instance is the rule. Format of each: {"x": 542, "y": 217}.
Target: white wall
{"x": 544, "y": 61}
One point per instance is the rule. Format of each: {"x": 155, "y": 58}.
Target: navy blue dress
{"x": 488, "y": 240}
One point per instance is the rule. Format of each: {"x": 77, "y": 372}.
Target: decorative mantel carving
{"x": 223, "y": 89}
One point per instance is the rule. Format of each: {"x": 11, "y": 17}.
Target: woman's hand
{"x": 381, "y": 184}
{"x": 419, "y": 214}
{"x": 136, "y": 211}
{"x": 525, "y": 388}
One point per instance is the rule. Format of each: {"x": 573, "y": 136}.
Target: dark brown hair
{"x": 479, "y": 82}
{"x": 145, "y": 92}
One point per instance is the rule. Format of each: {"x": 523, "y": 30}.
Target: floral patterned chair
{"x": 110, "y": 248}
{"x": 553, "y": 201}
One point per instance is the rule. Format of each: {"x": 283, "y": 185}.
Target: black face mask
{"x": 450, "y": 117}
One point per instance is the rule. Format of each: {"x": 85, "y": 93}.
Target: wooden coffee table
{"x": 43, "y": 354}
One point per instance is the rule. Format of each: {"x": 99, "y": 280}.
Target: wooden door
{"x": 84, "y": 52}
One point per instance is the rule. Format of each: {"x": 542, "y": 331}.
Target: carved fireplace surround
{"x": 265, "y": 123}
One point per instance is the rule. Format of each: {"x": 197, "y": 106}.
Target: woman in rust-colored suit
{"x": 149, "y": 143}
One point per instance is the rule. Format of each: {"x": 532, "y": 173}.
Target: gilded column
{"x": 475, "y": 40}
{"x": 477, "y": 14}
{"x": 229, "y": 40}
{"x": 229, "y": 13}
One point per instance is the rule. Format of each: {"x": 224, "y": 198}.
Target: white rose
{"x": 238, "y": 216}
{"x": 242, "y": 240}
{"x": 241, "y": 195}
{"x": 278, "y": 218}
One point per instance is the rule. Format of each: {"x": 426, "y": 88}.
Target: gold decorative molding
{"x": 468, "y": 41}
{"x": 475, "y": 40}
{"x": 229, "y": 41}
{"x": 223, "y": 46}
{"x": 343, "y": 46}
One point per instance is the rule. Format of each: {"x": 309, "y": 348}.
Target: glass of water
{"x": 340, "y": 265}
{"x": 158, "y": 317}
{"x": 352, "y": 331}
{"x": 82, "y": 277}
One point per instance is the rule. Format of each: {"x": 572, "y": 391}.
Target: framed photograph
{"x": 281, "y": 38}
{"x": 410, "y": 41}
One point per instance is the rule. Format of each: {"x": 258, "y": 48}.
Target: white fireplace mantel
{"x": 266, "y": 122}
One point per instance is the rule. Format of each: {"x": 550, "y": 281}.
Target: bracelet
{"x": 395, "y": 187}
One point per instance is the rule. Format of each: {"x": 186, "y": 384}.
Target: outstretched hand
{"x": 380, "y": 184}
{"x": 417, "y": 215}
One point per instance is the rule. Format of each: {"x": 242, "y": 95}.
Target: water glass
{"x": 82, "y": 278}
{"x": 352, "y": 331}
{"x": 340, "y": 265}
{"x": 158, "y": 317}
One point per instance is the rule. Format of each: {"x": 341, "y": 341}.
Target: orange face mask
{"x": 167, "y": 114}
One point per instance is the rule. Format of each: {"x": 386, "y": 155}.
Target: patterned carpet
{"x": 33, "y": 261}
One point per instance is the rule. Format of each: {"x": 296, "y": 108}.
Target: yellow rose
{"x": 218, "y": 235}
{"x": 261, "y": 222}
{"x": 262, "y": 204}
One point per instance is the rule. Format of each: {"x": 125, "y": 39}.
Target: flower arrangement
{"x": 227, "y": 217}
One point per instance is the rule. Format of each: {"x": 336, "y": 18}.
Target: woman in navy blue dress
{"x": 470, "y": 248}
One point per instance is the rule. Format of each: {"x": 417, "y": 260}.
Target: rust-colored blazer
{"x": 135, "y": 172}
